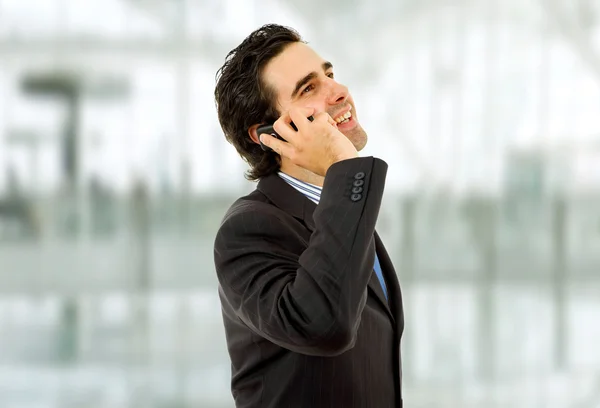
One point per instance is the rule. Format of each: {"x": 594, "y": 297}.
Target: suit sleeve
{"x": 310, "y": 304}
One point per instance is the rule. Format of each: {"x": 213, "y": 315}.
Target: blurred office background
{"x": 114, "y": 175}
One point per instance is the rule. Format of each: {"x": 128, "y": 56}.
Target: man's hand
{"x": 315, "y": 146}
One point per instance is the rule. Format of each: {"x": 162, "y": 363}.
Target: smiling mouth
{"x": 343, "y": 118}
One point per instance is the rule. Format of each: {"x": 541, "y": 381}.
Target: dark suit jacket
{"x": 306, "y": 320}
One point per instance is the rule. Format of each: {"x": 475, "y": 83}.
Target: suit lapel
{"x": 288, "y": 199}
{"x": 392, "y": 284}
{"x": 284, "y": 196}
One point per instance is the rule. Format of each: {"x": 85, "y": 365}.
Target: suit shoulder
{"x": 255, "y": 204}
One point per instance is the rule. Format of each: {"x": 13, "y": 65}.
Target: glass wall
{"x": 114, "y": 176}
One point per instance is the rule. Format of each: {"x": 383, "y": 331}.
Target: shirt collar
{"x": 310, "y": 191}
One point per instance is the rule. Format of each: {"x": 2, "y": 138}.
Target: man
{"x": 311, "y": 303}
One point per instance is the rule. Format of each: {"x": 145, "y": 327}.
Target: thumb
{"x": 265, "y": 141}
{"x": 270, "y": 143}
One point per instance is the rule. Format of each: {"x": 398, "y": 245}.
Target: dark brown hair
{"x": 243, "y": 99}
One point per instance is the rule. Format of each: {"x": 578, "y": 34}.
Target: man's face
{"x": 301, "y": 78}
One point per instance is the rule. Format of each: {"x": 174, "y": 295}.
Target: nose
{"x": 338, "y": 93}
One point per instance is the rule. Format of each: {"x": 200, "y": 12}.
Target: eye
{"x": 330, "y": 75}
{"x": 308, "y": 89}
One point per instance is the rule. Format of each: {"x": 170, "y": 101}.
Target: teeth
{"x": 344, "y": 118}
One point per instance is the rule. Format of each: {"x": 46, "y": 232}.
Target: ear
{"x": 252, "y": 133}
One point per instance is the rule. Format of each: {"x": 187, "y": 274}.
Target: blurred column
{"x": 407, "y": 275}
{"x": 141, "y": 229}
{"x": 68, "y": 343}
{"x": 140, "y": 211}
{"x": 485, "y": 217}
{"x": 181, "y": 33}
{"x": 559, "y": 281}
{"x": 70, "y": 145}
{"x": 462, "y": 19}
{"x": 408, "y": 249}
{"x": 492, "y": 19}
{"x": 481, "y": 215}
{"x": 183, "y": 117}
{"x": 558, "y": 204}
{"x": 488, "y": 318}
{"x": 434, "y": 21}
{"x": 544, "y": 81}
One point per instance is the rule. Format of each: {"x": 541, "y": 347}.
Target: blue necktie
{"x": 379, "y": 274}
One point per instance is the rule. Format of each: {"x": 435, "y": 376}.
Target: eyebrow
{"x": 326, "y": 66}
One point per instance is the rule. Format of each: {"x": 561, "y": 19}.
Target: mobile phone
{"x": 268, "y": 129}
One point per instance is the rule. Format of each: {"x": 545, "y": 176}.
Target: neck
{"x": 301, "y": 174}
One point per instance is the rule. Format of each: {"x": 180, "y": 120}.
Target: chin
{"x": 360, "y": 146}
{"x": 359, "y": 139}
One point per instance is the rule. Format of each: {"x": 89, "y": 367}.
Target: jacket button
{"x": 356, "y": 197}
{"x": 360, "y": 175}
{"x": 358, "y": 183}
{"x": 357, "y": 190}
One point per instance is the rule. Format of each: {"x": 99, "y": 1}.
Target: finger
{"x": 325, "y": 117}
{"x": 300, "y": 116}
{"x": 331, "y": 121}
{"x": 278, "y": 146}
{"x": 283, "y": 127}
